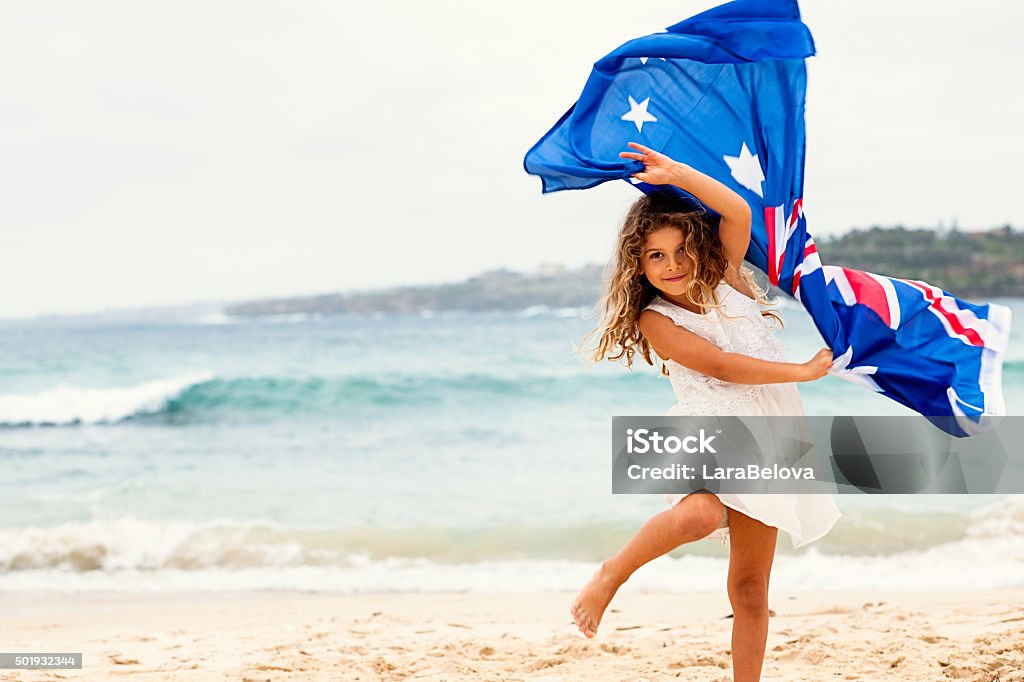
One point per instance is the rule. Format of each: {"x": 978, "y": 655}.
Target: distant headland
{"x": 970, "y": 265}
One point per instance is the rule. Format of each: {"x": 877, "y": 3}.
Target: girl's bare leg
{"x": 692, "y": 518}
{"x": 751, "y": 550}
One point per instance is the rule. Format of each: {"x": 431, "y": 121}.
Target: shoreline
{"x": 814, "y": 635}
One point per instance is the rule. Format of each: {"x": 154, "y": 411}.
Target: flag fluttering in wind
{"x": 724, "y": 93}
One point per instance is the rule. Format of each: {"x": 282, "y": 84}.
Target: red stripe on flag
{"x": 936, "y": 304}
{"x": 809, "y": 250}
{"x": 868, "y": 291}
{"x": 773, "y": 255}
{"x": 795, "y": 215}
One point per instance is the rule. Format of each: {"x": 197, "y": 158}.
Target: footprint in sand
{"x": 545, "y": 663}
{"x": 119, "y": 659}
{"x": 617, "y": 649}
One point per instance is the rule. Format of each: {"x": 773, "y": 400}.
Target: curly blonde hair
{"x": 626, "y": 290}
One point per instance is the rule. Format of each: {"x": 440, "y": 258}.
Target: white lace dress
{"x": 805, "y": 517}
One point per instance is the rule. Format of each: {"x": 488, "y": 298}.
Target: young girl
{"x": 681, "y": 290}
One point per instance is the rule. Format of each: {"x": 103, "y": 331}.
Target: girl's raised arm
{"x": 734, "y": 228}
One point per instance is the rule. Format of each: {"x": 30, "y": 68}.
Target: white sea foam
{"x": 288, "y": 318}
{"x": 534, "y": 311}
{"x": 571, "y": 313}
{"x": 67, "y": 404}
{"x": 217, "y": 319}
{"x": 541, "y": 310}
{"x": 128, "y": 555}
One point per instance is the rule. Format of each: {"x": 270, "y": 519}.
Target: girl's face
{"x": 663, "y": 261}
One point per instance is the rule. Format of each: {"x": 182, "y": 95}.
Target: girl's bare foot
{"x": 593, "y": 599}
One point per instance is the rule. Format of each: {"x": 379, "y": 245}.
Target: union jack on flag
{"x": 724, "y": 92}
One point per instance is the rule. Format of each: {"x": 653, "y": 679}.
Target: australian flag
{"x": 724, "y": 93}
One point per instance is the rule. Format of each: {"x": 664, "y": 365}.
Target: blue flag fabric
{"x": 724, "y": 93}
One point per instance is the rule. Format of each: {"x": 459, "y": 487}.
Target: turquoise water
{"x": 396, "y": 452}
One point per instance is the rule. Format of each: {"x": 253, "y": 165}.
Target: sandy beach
{"x": 840, "y": 635}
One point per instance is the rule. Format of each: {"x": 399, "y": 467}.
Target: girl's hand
{"x": 818, "y": 366}
{"x": 658, "y": 168}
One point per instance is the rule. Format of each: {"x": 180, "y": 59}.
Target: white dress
{"x": 804, "y": 516}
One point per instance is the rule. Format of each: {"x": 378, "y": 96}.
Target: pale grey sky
{"x": 167, "y": 152}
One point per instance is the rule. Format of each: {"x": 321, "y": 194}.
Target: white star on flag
{"x": 858, "y": 375}
{"x": 643, "y": 60}
{"x": 638, "y": 114}
{"x": 746, "y": 169}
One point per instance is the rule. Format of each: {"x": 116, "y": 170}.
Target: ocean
{"x": 439, "y": 452}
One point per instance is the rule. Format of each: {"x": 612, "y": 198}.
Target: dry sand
{"x": 839, "y": 635}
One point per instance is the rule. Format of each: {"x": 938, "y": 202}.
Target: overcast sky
{"x": 168, "y": 152}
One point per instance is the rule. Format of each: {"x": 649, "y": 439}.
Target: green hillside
{"x": 967, "y": 264}
{"x": 971, "y": 265}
